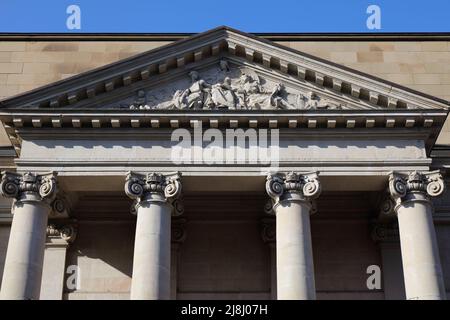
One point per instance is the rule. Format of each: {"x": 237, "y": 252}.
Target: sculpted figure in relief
{"x": 140, "y": 102}
{"x": 223, "y": 94}
{"x": 251, "y": 95}
{"x": 277, "y": 100}
{"x": 198, "y": 95}
{"x": 246, "y": 93}
{"x": 313, "y": 101}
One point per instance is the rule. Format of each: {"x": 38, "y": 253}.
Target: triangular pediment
{"x": 222, "y": 69}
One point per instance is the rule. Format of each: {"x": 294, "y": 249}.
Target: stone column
{"x": 292, "y": 195}
{"x": 420, "y": 254}
{"x": 178, "y": 236}
{"x": 154, "y": 196}
{"x": 59, "y": 236}
{"x": 25, "y": 256}
{"x": 268, "y": 234}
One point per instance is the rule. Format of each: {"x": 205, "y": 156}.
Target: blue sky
{"x": 250, "y": 16}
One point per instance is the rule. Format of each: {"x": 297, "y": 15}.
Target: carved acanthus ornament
{"x": 29, "y": 186}
{"x": 61, "y": 206}
{"x": 268, "y": 230}
{"x": 387, "y": 208}
{"x": 154, "y": 187}
{"x": 66, "y": 232}
{"x": 404, "y": 187}
{"x": 178, "y": 232}
{"x": 385, "y": 232}
{"x": 292, "y": 186}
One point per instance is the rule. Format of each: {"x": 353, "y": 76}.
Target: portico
{"x": 108, "y": 134}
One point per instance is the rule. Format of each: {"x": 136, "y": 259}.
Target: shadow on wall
{"x": 104, "y": 256}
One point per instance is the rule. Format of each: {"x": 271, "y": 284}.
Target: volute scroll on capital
{"x": 29, "y": 186}
{"x": 66, "y": 232}
{"x": 292, "y": 187}
{"x": 178, "y": 231}
{"x": 154, "y": 187}
{"x": 428, "y": 184}
{"x": 268, "y": 230}
{"x": 385, "y": 232}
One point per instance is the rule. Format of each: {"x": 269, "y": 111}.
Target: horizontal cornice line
{"x": 273, "y": 36}
{"x": 169, "y": 113}
{"x": 145, "y": 162}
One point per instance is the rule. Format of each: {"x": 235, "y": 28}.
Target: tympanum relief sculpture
{"x": 229, "y": 89}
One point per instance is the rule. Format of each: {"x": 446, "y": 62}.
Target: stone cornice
{"x": 174, "y": 119}
{"x": 428, "y": 122}
{"x": 272, "y": 36}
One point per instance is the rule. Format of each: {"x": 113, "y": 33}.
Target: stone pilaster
{"x": 268, "y": 235}
{"x": 32, "y": 194}
{"x": 155, "y": 200}
{"x": 60, "y": 234}
{"x": 178, "y": 236}
{"x": 292, "y": 195}
{"x": 420, "y": 254}
{"x": 386, "y": 235}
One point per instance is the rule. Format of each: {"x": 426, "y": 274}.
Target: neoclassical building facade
{"x": 145, "y": 179}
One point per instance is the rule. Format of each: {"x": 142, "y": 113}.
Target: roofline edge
{"x": 281, "y": 36}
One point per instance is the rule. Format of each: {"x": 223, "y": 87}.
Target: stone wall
{"x": 223, "y": 255}
{"x": 4, "y": 237}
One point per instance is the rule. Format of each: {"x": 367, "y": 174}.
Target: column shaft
{"x": 33, "y": 193}
{"x": 295, "y": 267}
{"x": 59, "y": 237}
{"x": 420, "y": 255}
{"x": 273, "y": 271}
{"x": 25, "y": 256}
{"x": 292, "y": 195}
{"x": 151, "y": 262}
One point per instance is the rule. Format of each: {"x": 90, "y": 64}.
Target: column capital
{"x": 62, "y": 205}
{"x": 61, "y": 233}
{"x": 154, "y": 187}
{"x": 415, "y": 186}
{"x": 29, "y": 186}
{"x": 292, "y": 186}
